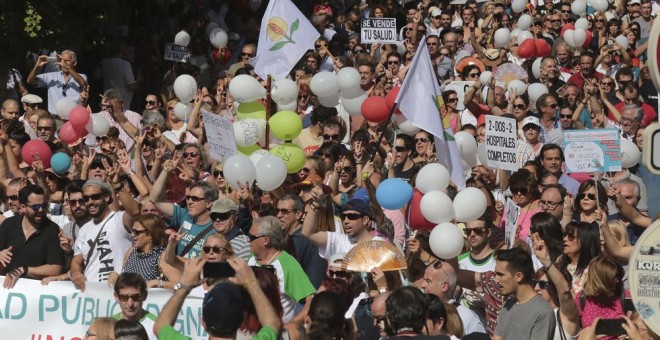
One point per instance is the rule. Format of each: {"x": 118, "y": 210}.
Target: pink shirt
{"x": 593, "y": 309}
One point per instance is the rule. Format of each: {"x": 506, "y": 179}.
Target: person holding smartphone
{"x": 65, "y": 83}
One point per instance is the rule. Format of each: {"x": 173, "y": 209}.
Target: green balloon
{"x": 253, "y": 109}
{"x": 292, "y": 154}
{"x": 248, "y": 150}
{"x": 285, "y": 125}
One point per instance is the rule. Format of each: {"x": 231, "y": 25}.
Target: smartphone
{"x": 51, "y": 59}
{"x": 611, "y": 327}
{"x": 218, "y": 270}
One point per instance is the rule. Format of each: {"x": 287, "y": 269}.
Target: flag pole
{"x": 268, "y": 107}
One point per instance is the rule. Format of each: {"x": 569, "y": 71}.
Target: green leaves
{"x": 294, "y": 26}
{"x": 278, "y": 45}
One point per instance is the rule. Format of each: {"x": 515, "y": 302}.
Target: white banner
{"x": 378, "y": 30}
{"x": 501, "y": 143}
{"x": 176, "y": 53}
{"x": 220, "y": 135}
{"x": 60, "y": 311}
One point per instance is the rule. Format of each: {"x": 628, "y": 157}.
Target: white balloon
{"x": 354, "y": 105}
{"x": 600, "y": 5}
{"x": 446, "y": 241}
{"x": 284, "y": 91}
{"x": 218, "y": 38}
{"x": 582, "y": 23}
{"x": 407, "y": 127}
{"x": 568, "y": 37}
{"x": 210, "y": 27}
{"x": 256, "y": 156}
{"x": 469, "y": 204}
{"x": 100, "y": 127}
{"x": 536, "y": 90}
{"x": 182, "y": 111}
{"x": 518, "y": 85}
{"x": 329, "y": 101}
{"x": 249, "y": 131}
{"x": 271, "y": 172}
{"x": 348, "y": 79}
{"x": 514, "y": 34}
{"x": 185, "y": 88}
{"x": 287, "y": 107}
{"x": 482, "y": 154}
{"x": 623, "y": 41}
{"x": 182, "y": 38}
{"x": 518, "y": 6}
{"x": 90, "y": 123}
{"x": 436, "y": 207}
{"x": 467, "y": 147}
{"x": 63, "y": 107}
{"x": 433, "y": 176}
{"x": 245, "y": 88}
{"x": 536, "y": 67}
{"x": 485, "y": 76}
{"x": 239, "y": 169}
{"x": 579, "y": 36}
{"x": 324, "y": 84}
{"x": 524, "y": 35}
{"x": 630, "y": 154}
{"x": 501, "y": 37}
{"x": 525, "y": 22}
{"x": 579, "y": 7}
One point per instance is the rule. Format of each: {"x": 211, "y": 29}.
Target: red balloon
{"x": 69, "y": 134}
{"x": 79, "y": 117}
{"x": 217, "y": 55}
{"x": 36, "y": 147}
{"x": 374, "y": 109}
{"x": 391, "y": 97}
{"x": 543, "y": 49}
{"x": 527, "y": 49}
{"x": 414, "y": 216}
{"x": 587, "y": 40}
{"x": 566, "y": 27}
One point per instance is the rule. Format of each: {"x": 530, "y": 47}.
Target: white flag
{"x": 420, "y": 100}
{"x": 284, "y": 38}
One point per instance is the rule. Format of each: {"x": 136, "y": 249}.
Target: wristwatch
{"x": 181, "y": 285}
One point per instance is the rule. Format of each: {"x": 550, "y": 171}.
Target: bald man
{"x": 10, "y": 109}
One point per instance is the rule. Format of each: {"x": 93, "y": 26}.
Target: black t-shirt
{"x": 42, "y": 247}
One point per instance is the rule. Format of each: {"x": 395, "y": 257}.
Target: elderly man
{"x": 631, "y": 97}
{"x": 550, "y": 75}
{"x": 553, "y": 199}
{"x": 66, "y": 83}
{"x": 631, "y": 118}
{"x": 248, "y": 52}
{"x": 267, "y": 242}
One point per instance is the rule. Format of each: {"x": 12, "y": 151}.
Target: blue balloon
{"x": 393, "y": 193}
{"x": 60, "y": 162}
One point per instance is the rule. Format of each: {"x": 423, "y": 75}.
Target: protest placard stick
{"x": 268, "y": 106}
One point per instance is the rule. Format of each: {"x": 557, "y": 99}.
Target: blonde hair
{"x": 605, "y": 278}
{"x": 453, "y": 324}
{"x": 223, "y": 239}
{"x": 620, "y": 233}
{"x": 103, "y": 327}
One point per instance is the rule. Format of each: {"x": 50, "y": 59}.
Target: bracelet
{"x": 548, "y": 266}
{"x": 365, "y": 175}
{"x": 247, "y": 283}
{"x": 315, "y": 208}
{"x": 160, "y": 283}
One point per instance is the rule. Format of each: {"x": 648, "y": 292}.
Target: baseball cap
{"x": 631, "y": 2}
{"x": 222, "y": 310}
{"x": 31, "y": 99}
{"x": 224, "y": 205}
{"x": 531, "y": 120}
{"x": 436, "y": 12}
{"x": 360, "y": 206}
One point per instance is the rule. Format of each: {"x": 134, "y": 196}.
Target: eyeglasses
{"x": 190, "y": 154}
{"x": 37, "y": 207}
{"x": 93, "y": 197}
{"x": 550, "y": 204}
{"x": 477, "y": 231}
{"x": 421, "y": 140}
{"x": 474, "y": 75}
{"x": 337, "y": 273}
{"x": 589, "y": 196}
{"x": 352, "y": 216}
{"x": 125, "y": 297}
{"x": 445, "y": 54}
{"x": 254, "y": 237}
{"x": 347, "y": 169}
{"x": 73, "y": 203}
{"x": 542, "y": 283}
{"x": 247, "y": 54}
{"x": 219, "y": 173}
{"x": 519, "y": 191}
{"x": 137, "y": 232}
{"x": 393, "y": 62}
{"x": 400, "y": 148}
{"x": 570, "y": 237}
{"x": 44, "y": 128}
{"x": 607, "y": 83}
{"x": 216, "y": 249}
{"x": 95, "y": 166}
{"x": 194, "y": 198}
{"x": 452, "y": 100}
{"x": 151, "y": 102}
{"x": 284, "y": 211}
{"x": 13, "y": 197}
{"x": 331, "y": 137}
{"x": 568, "y": 116}
{"x": 520, "y": 106}
{"x": 221, "y": 216}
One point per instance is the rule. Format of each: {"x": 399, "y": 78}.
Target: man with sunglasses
{"x": 30, "y": 243}
{"x": 247, "y": 52}
{"x": 225, "y": 214}
{"x": 546, "y": 106}
{"x": 130, "y": 294}
{"x": 311, "y": 138}
{"x": 13, "y": 188}
{"x": 46, "y": 127}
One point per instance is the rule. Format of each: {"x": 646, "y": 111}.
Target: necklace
{"x": 273, "y": 257}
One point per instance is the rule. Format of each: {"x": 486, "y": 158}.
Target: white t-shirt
{"x": 339, "y": 243}
{"x": 108, "y": 255}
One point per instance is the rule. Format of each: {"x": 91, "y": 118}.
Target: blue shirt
{"x": 185, "y": 224}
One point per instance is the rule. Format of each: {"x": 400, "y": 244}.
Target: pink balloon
{"x": 36, "y": 147}
{"x": 79, "y": 117}
{"x": 69, "y": 134}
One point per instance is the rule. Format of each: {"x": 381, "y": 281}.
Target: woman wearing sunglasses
{"x": 588, "y": 201}
{"x": 525, "y": 195}
{"x": 581, "y": 245}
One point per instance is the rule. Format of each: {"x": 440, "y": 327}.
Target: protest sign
{"x": 220, "y": 135}
{"x": 596, "y": 150}
{"x": 512, "y": 213}
{"x": 644, "y": 276}
{"x": 176, "y": 53}
{"x": 501, "y": 143}
{"x": 378, "y": 30}
{"x": 60, "y": 311}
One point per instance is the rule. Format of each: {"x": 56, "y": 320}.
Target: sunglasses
{"x": 445, "y": 54}
{"x": 217, "y": 173}
{"x": 221, "y": 216}
{"x": 553, "y": 105}
{"x": 44, "y": 128}
{"x": 555, "y": 20}
{"x": 38, "y": 207}
{"x": 318, "y": 46}
{"x": 393, "y": 62}
{"x": 337, "y": 273}
{"x": 13, "y": 197}
{"x": 474, "y": 75}
{"x": 194, "y": 198}
{"x": 353, "y": 216}
{"x": 247, "y": 54}
{"x": 73, "y": 202}
{"x": 520, "y": 106}
{"x": 421, "y": 140}
{"x": 93, "y": 197}
{"x": 570, "y": 237}
{"x": 519, "y": 191}
{"x": 331, "y": 137}
{"x": 125, "y": 297}
{"x": 151, "y": 102}
{"x": 305, "y": 170}
{"x": 254, "y": 237}
{"x": 542, "y": 283}
{"x": 400, "y": 148}
{"x": 476, "y": 231}
{"x": 303, "y": 97}
{"x": 138, "y": 232}
{"x": 589, "y": 196}
{"x": 347, "y": 169}
{"x": 190, "y": 154}
{"x": 599, "y": 20}
{"x": 216, "y": 249}
{"x": 565, "y": 116}
{"x": 284, "y": 211}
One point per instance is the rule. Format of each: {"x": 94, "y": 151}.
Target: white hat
{"x": 634, "y": 2}
{"x": 436, "y": 12}
{"x": 531, "y": 120}
{"x": 31, "y": 99}
{"x": 336, "y": 260}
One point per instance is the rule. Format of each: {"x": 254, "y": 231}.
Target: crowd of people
{"x": 146, "y": 207}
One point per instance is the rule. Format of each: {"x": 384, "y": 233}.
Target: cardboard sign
{"x": 176, "y": 53}
{"x": 501, "y": 143}
{"x": 596, "y": 150}
{"x": 220, "y": 135}
{"x": 512, "y": 213}
{"x": 644, "y": 276}
{"x": 378, "y": 30}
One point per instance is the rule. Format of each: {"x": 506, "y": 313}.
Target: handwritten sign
{"x": 512, "y": 213}
{"x": 176, "y": 53}
{"x": 378, "y": 30}
{"x": 596, "y": 150}
{"x": 501, "y": 143}
{"x": 220, "y": 135}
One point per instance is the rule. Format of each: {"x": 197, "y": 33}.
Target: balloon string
{"x": 268, "y": 106}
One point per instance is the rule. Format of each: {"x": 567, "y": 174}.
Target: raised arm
{"x": 32, "y": 77}
{"x": 72, "y": 71}
{"x": 189, "y": 280}
{"x": 629, "y": 212}
{"x": 159, "y": 186}
{"x": 318, "y": 238}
